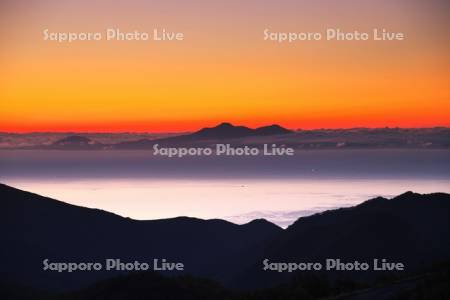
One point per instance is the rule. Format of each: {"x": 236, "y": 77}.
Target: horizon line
{"x": 217, "y": 124}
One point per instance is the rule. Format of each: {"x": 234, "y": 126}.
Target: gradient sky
{"x": 223, "y": 70}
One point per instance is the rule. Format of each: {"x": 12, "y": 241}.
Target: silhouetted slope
{"x": 411, "y": 228}
{"x": 35, "y": 228}
{"x": 406, "y": 227}
{"x": 151, "y": 285}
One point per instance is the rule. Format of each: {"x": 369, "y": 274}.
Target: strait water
{"x": 139, "y": 185}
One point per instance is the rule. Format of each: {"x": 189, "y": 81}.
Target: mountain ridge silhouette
{"x": 411, "y": 228}
{"x": 223, "y": 131}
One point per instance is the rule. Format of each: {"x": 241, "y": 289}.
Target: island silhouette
{"x": 344, "y": 138}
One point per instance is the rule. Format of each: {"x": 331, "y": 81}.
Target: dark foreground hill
{"x": 412, "y": 229}
{"x": 434, "y": 284}
{"x": 34, "y": 228}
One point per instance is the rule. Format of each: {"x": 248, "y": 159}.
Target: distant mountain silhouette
{"x": 411, "y": 228}
{"x": 351, "y": 138}
{"x": 229, "y": 131}
{"x": 73, "y": 142}
{"x": 223, "y": 131}
{"x": 272, "y": 130}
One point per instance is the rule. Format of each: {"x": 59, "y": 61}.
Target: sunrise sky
{"x": 223, "y": 70}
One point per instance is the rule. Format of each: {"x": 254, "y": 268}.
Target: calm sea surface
{"x": 138, "y": 185}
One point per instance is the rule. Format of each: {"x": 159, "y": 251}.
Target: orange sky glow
{"x": 223, "y": 70}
